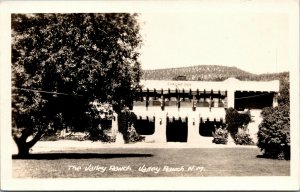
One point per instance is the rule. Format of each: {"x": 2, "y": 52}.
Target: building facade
{"x": 186, "y": 111}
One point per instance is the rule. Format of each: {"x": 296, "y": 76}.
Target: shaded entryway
{"x": 145, "y": 126}
{"x": 177, "y": 130}
{"x": 208, "y": 127}
{"x": 253, "y": 100}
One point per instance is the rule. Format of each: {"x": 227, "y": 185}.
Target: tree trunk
{"x": 23, "y": 146}
{"x": 23, "y": 150}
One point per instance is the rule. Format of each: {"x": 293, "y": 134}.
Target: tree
{"x": 274, "y": 130}
{"x": 61, "y": 63}
{"x": 284, "y": 97}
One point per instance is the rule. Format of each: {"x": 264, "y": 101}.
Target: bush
{"x": 100, "y": 134}
{"x": 220, "y": 136}
{"x": 126, "y": 121}
{"x": 50, "y": 135}
{"x": 76, "y": 136}
{"x": 236, "y": 121}
{"x": 101, "y": 115}
{"x": 243, "y": 138}
{"x": 274, "y": 133}
{"x": 50, "y": 138}
{"x": 133, "y": 136}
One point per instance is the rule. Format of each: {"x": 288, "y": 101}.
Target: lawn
{"x": 164, "y": 162}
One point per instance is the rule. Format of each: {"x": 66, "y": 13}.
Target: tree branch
{"x": 36, "y": 138}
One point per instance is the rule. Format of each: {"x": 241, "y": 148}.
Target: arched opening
{"x": 145, "y": 126}
{"x": 208, "y": 127}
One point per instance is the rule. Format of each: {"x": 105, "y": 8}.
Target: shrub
{"x": 220, "y": 136}
{"x": 243, "y": 138}
{"x": 101, "y": 120}
{"x": 133, "y": 136}
{"x": 274, "y": 133}
{"x": 100, "y": 134}
{"x": 76, "y": 136}
{"x": 236, "y": 120}
{"x": 50, "y": 138}
{"x": 126, "y": 121}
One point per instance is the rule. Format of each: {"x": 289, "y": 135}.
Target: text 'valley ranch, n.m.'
{"x": 157, "y": 169}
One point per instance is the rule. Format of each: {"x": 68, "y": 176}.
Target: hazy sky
{"x": 255, "y": 42}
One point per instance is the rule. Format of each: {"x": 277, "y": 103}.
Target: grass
{"x": 206, "y": 162}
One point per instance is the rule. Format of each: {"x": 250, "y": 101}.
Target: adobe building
{"x": 187, "y": 111}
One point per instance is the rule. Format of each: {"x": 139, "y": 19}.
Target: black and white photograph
{"x": 150, "y": 95}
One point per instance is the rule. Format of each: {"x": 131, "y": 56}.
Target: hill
{"x": 194, "y": 73}
{"x": 208, "y": 73}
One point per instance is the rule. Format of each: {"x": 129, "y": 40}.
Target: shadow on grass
{"x": 54, "y": 156}
{"x": 266, "y": 157}
{"x": 262, "y": 157}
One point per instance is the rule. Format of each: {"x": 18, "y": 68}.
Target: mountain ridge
{"x": 207, "y": 73}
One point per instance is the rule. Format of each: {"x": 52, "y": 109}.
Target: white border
{"x": 290, "y": 7}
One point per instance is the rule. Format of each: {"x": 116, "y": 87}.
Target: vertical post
{"x": 178, "y": 103}
{"x": 275, "y": 101}
{"x": 194, "y": 104}
{"x": 216, "y": 102}
{"x": 210, "y": 103}
{"x": 230, "y": 98}
{"x": 162, "y": 104}
{"x": 232, "y": 83}
{"x": 147, "y": 99}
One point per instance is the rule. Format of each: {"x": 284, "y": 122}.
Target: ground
{"x": 146, "y": 161}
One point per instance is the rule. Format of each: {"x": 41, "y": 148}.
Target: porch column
{"x": 230, "y": 98}
{"x": 275, "y": 102}
{"x": 193, "y": 128}
{"x": 216, "y": 102}
{"x": 160, "y": 133}
{"x": 114, "y": 124}
{"x": 114, "y": 130}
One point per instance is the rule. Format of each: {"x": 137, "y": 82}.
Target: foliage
{"x": 284, "y": 97}
{"x": 243, "y": 138}
{"x": 62, "y": 62}
{"x": 50, "y": 138}
{"x": 100, "y": 135}
{"x": 105, "y": 110}
{"x": 126, "y": 122}
{"x": 77, "y": 136}
{"x": 274, "y": 132}
{"x": 101, "y": 115}
{"x": 220, "y": 136}
{"x": 236, "y": 120}
{"x": 133, "y": 136}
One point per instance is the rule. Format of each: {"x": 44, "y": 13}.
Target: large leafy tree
{"x": 274, "y": 130}
{"x": 63, "y": 62}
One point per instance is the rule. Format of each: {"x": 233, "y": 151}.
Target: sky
{"x": 254, "y": 42}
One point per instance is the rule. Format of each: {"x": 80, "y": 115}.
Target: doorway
{"x": 177, "y": 130}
